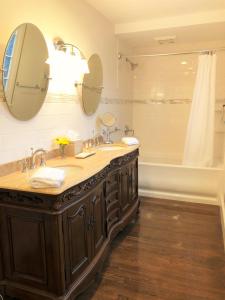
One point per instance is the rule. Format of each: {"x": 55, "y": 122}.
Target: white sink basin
{"x": 110, "y": 148}
{"x": 68, "y": 167}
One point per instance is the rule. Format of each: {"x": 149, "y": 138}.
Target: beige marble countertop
{"x": 76, "y": 171}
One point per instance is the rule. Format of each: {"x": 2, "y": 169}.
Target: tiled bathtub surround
{"x": 163, "y": 88}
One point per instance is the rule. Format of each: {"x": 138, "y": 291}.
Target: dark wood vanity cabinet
{"x": 112, "y": 199}
{"x": 52, "y": 246}
{"x": 31, "y": 248}
{"x": 77, "y": 239}
{"x": 133, "y": 181}
{"x": 84, "y": 232}
{"x": 125, "y": 189}
{"x": 129, "y": 186}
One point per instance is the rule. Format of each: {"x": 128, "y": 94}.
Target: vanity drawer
{"x": 112, "y": 182}
{"x": 114, "y": 195}
{"x": 112, "y": 206}
{"x": 112, "y": 202}
{"x": 113, "y": 218}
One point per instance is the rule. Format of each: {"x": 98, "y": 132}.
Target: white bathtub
{"x": 179, "y": 182}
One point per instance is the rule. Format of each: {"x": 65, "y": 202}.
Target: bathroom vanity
{"x": 54, "y": 242}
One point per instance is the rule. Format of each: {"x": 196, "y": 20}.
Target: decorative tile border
{"x": 170, "y": 101}
{"x": 53, "y": 97}
{"x": 106, "y": 100}
{"x": 64, "y": 98}
{"x": 162, "y": 101}
{"x": 150, "y": 101}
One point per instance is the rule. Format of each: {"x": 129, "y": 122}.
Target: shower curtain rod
{"x": 175, "y": 53}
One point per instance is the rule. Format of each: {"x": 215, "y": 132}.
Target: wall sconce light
{"x": 68, "y": 65}
{"x": 73, "y": 54}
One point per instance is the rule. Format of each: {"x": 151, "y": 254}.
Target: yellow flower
{"x": 62, "y": 140}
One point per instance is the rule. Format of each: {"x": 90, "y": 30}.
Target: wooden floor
{"x": 173, "y": 252}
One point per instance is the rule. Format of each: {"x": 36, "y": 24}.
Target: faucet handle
{"x": 127, "y": 129}
{"x": 42, "y": 160}
{"x": 96, "y": 141}
{"x": 90, "y": 143}
{"x": 24, "y": 165}
{"x": 32, "y": 164}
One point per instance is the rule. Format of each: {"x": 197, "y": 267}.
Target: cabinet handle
{"x": 80, "y": 212}
{"x": 93, "y": 221}
{"x": 89, "y": 224}
{"x": 94, "y": 199}
{"x": 130, "y": 178}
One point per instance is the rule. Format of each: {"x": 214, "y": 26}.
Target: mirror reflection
{"x": 92, "y": 85}
{"x": 25, "y": 71}
{"x": 108, "y": 119}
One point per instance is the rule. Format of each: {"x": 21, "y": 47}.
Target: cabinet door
{"x": 77, "y": 239}
{"x": 133, "y": 181}
{"x": 1, "y": 267}
{"x": 24, "y": 238}
{"x": 97, "y": 202}
{"x": 124, "y": 195}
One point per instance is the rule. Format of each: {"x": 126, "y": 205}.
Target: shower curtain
{"x": 199, "y": 143}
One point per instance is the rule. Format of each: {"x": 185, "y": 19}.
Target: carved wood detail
{"x": 68, "y": 235}
{"x": 57, "y": 202}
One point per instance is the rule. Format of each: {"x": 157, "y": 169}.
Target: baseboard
{"x": 222, "y": 214}
{"x": 179, "y": 197}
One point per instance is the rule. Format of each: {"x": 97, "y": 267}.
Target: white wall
{"x": 78, "y": 23}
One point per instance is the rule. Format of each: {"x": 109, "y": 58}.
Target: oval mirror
{"x": 25, "y": 71}
{"x": 108, "y": 119}
{"x": 92, "y": 85}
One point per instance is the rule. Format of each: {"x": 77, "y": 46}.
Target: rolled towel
{"x": 130, "y": 140}
{"x": 47, "y": 177}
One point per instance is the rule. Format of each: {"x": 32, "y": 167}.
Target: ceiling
{"x": 122, "y": 11}
{"x": 184, "y": 35}
{"x": 139, "y": 22}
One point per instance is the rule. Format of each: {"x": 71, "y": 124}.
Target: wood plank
{"x": 173, "y": 252}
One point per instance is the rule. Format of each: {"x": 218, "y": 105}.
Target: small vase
{"x": 62, "y": 150}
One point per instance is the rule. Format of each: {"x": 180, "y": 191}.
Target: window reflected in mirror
{"x": 25, "y": 71}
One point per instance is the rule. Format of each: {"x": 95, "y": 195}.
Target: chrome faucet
{"x": 33, "y": 156}
{"x": 127, "y": 130}
{"x": 108, "y": 133}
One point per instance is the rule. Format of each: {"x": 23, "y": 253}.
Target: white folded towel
{"x": 130, "y": 140}
{"x": 47, "y": 177}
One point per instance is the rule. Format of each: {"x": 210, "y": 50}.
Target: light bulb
{"x": 84, "y": 66}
